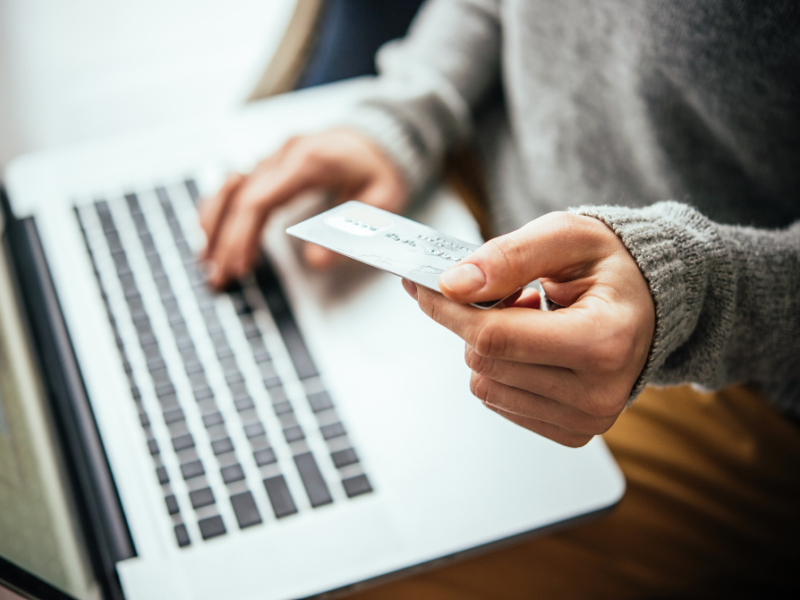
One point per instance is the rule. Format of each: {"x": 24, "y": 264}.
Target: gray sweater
{"x": 616, "y": 106}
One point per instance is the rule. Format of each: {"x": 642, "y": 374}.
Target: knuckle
{"x": 429, "y": 306}
{"x": 612, "y": 350}
{"x": 508, "y": 253}
{"x": 604, "y": 403}
{"x": 479, "y": 364}
{"x": 490, "y": 339}
{"x": 479, "y": 386}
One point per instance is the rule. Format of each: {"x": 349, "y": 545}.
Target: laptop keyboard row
{"x": 227, "y": 419}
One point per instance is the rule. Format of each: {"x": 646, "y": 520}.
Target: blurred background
{"x": 74, "y": 70}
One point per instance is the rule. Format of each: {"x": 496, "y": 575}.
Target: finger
{"x": 212, "y": 210}
{"x": 546, "y": 430}
{"x": 511, "y": 300}
{"x": 557, "y": 244}
{"x": 410, "y": 287}
{"x": 528, "y": 298}
{"x": 557, "y": 383}
{"x": 237, "y": 242}
{"x": 533, "y": 406}
{"x": 560, "y": 339}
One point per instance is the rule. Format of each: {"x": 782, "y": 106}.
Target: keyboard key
{"x": 203, "y": 393}
{"x": 223, "y": 353}
{"x": 143, "y": 419}
{"x": 245, "y": 509}
{"x": 163, "y": 197}
{"x": 261, "y": 356}
{"x": 254, "y": 430}
{"x": 182, "y": 442}
{"x": 345, "y": 457}
{"x": 333, "y": 430}
{"x": 156, "y": 363}
{"x": 152, "y": 351}
{"x": 211, "y": 527}
{"x": 182, "y": 535}
{"x": 229, "y": 365}
{"x": 173, "y": 416}
{"x": 239, "y": 390}
{"x": 293, "y": 434}
{"x": 355, "y": 486}
{"x": 169, "y": 402}
{"x": 147, "y": 240}
{"x": 191, "y": 187}
{"x": 272, "y": 382}
{"x": 153, "y": 446}
{"x": 219, "y": 340}
{"x": 192, "y": 469}
{"x": 202, "y": 497}
{"x": 133, "y": 204}
{"x": 267, "y": 370}
{"x": 213, "y": 419}
{"x": 320, "y": 401}
{"x": 165, "y": 389}
{"x": 163, "y": 478}
{"x": 232, "y": 473}
{"x": 172, "y": 307}
{"x": 193, "y": 367}
{"x": 172, "y": 504}
{"x": 316, "y": 488}
{"x": 138, "y": 314}
{"x": 234, "y": 377}
{"x": 265, "y": 457}
{"x": 282, "y": 408}
{"x": 160, "y": 379}
{"x": 243, "y": 404}
{"x": 279, "y": 496}
{"x": 222, "y": 446}
{"x": 277, "y": 394}
{"x": 198, "y": 380}
{"x": 297, "y": 350}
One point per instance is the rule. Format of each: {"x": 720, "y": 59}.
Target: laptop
{"x": 299, "y": 434}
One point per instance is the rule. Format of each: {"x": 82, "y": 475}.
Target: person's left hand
{"x": 565, "y": 374}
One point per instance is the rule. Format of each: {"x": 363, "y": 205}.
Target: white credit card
{"x": 387, "y": 241}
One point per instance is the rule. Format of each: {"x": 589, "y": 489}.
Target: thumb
{"x": 558, "y": 245}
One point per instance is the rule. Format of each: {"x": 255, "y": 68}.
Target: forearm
{"x": 727, "y": 298}
{"x": 429, "y": 82}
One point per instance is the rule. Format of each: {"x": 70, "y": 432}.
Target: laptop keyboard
{"x": 235, "y": 415}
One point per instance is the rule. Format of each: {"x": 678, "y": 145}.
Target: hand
{"x": 565, "y": 374}
{"x": 341, "y": 161}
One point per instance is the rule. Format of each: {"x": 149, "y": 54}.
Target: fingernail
{"x": 411, "y": 288}
{"x": 463, "y": 279}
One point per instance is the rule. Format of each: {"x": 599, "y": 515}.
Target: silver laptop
{"x": 300, "y": 433}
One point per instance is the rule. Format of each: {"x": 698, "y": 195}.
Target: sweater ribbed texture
{"x": 616, "y": 106}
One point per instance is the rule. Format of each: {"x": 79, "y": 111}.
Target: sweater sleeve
{"x": 429, "y": 82}
{"x": 727, "y": 298}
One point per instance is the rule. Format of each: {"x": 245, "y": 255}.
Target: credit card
{"x": 388, "y": 242}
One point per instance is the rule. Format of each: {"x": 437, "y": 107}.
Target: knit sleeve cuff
{"x": 395, "y": 140}
{"x": 669, "y": 242}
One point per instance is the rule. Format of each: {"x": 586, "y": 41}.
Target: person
{"x": 590, "y": 120}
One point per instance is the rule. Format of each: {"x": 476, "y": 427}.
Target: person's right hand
{"x": 340, "y": 161}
